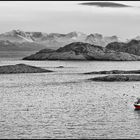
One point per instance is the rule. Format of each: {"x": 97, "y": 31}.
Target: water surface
{"x": 63, "y": 104}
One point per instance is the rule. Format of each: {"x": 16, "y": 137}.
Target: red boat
{"x": 137, "y": 104}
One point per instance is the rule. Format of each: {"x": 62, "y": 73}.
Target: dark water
{"x": 63, "y": 104}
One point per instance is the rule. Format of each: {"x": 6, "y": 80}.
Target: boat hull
{"x": 137, "y": 106}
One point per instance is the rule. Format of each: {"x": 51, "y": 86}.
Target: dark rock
{"x": 60, "y": 67}
{"x": 111, "y": 78}
{"x": 21, "y": 68}
{"x": 115, "y": 72}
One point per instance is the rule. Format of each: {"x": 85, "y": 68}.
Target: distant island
{"x": 116, "y": 75}
{"x": 83, "y": 51}
{"x": 115, "y": 72}
{"x": 116, "y": 78}
{"x": 21, "y": 68}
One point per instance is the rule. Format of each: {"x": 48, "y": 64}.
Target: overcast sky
{"x": 68, "y": 16}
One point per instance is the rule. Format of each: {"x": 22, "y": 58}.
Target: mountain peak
{"x": 75, "y": 34}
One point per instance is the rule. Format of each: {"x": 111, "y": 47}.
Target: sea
{"x": 64, "y": 104}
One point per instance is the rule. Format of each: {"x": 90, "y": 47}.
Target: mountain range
{"x": 30, "y": 41}
{"x": 70, "y": 46}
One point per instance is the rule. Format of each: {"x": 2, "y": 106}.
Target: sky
{"x": 68, "y": 16}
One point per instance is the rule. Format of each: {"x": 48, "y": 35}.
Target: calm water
{"x": 63, "y": 104}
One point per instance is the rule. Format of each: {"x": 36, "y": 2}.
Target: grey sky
{"x": 67, "y": 16}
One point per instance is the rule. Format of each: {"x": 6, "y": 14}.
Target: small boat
{"x": 137, "y": 104}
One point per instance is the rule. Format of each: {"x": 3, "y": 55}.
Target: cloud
{"x": 105, "y": 4}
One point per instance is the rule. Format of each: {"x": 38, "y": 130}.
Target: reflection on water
{"x": 64, "y": 104}
{"x": 137, "y": 112}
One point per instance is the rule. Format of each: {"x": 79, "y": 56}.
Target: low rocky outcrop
{"x": 111, "y": 78}
{"x": 60, "y": 67}
{"x": 21, "y": 68}
{"x": 115, "y": 72}
{"x": 83, "y": 51}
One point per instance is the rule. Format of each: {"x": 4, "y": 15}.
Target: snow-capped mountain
{"x": 56, "y": 40}
{"x": 100, "y": 40}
